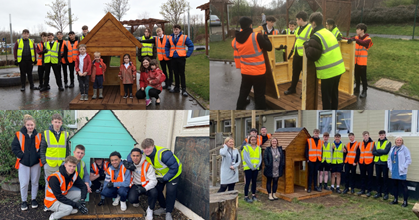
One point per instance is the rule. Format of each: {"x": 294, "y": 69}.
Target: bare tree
{"x": 58, "y": 17}
{"x": 118, "y": 8}
{"x": 173, "y": 9}
{"x": 144, "y": 15}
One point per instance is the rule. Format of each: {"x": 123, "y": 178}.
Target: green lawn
{"x": 393, "y": 29}
{"x": 10, "y": 66}
{"x": 221, "y": 50}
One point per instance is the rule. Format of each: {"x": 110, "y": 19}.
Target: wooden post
{"x": 222, "y": 19}
{"x": 218, "y": 121}
{"x": 214, "y": 170}
{"x": 224, "y": 205}
{"x": 324, "y": 12}
{"x": 310, "y": 85}
{"x": 233, "y": 122}
{"x": 253, "y": 119}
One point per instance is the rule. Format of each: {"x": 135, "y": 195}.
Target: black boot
{"x": 404, "y": 204}
{"x": 361, "y": 192}
{"x": 102, "y": 201}
{"x": 309, "y": 190}
{"x": 394, "y": 201}
{"x": 318, "y": 188}
{"x": 363, "y": 94}
{"x": 385, "y": 197}
{"x": 325, "y": 186}
{"x": 346, "y": 190}
{"x": 356, "y": 90}
{"x": 338, "y": 190}
{"x": 71, "y": 85}
{"x": 378, "y": 195}
{"x": 289, "y": 92}
{"x": 352, "y": 191}
{"x": 368, "y": 194}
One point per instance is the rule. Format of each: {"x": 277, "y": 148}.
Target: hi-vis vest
{"x": 20, "y": 50}
{"x": 361, "y": 53}
{"x": 147, "y": 49}
{"x": 41, "y": 48}
{"x": 301, "y": 38}
{"x": 366, "y": 156}
{"x": 49, "y": 195}
{"x": 21, "y": 138}
{"x": 327, "y": 153}
{"x": 350, "y": 156}
{"x": 260, "y": 138}
{"x": 180, "y": 46}
{"x": 254, "y": 155}
{"x": 287, "y": 31}
{"x": 330, "y": 63}
{"x": 161, "y": 54}
{"x": 144, "y": 170}
{"x": 82, "y": 164}
{"x": 314, "y": 152}
{"x": 121, "y": 175}
{"x": 160, "y": 168}
{"x": 336, "y": 32}
{"x": 250, "y": 55}
{"x": 105, "y": 165}
{"x": 64, "y": 44}
{"x": 382, "y": 158}
{"x": 338, "y": 154}
{"x": 52, "y": 55}
{"x": 82, "y": 37}
{"x": 56, "y": 150}
{"x": 73, "y": 51}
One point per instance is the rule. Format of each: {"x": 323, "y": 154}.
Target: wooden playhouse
{"x": 110, "y": 38}
{"x": 101, "y": 135}
{"x": 293, "y": 183}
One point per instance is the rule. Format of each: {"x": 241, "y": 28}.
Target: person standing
{"x": 351, "y": 160}
{"x": 24, "y": 53}
{"x": 269, "y": 26}
{"x": 73, "y": 51}
{"x": 289, "y": 31}
{"x": 52, "y": 59}
{"x": 314, "y": 158}
{"x": 330, "y": 25}
{"x": 337, "y": 162}
{"x": 327, "y": 155}
{"x": 161, "y": 41}
{"x": 40, "y": 50}
{"x": 85, "y": 31}
{"x": 148, "y": 43}
{"x": 63, "y": 45}
{"x": 274, "y": 167}
{"x": 264, "y": 136}
{"x": 366, "y": 163}
{"x": 25, "y": 146}
{"x": 252, "y": 159}
{"x": 398, "y": 161}
{"x": 380, "y": 151}
{"x": 229, "y": 170}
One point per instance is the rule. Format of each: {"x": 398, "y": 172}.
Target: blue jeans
{"x": 98, "y": 84}
{"x": 113, "y": 192}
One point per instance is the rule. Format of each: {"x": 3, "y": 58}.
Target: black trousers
{"x": 330, "y": 93}
{"x": 350, "y": 174}
{"x": 96, "y": 183}
{"x": 128, "y": 89}
{"x": 151, "y": 194}
{"x": 153, "y": 93}
{"x": 382, "y": 181}
{"x": 169, "y": 75}
{"x": 83, "y": 84}
{"x": 361, "y": 74}
{"x": 251, "y": 176}
{"x": 313, "y": 167}
{"x": 396, "y": 184}
{"x": 274, "y": 185}
{"x": 57, "y": 73}
{"x": 41, "y": 70}
{"x": 366, "y": 181}
{"x": 259, "y": 87}
{"x": 25, "y": 67}
{"x": 178, "y": 65}
{"x": 71, "y": 67}
{"x": 64, "y": 66}
{"x": 224, "y": 187}
{"x": 297, "y": 67}
{"x": 171, "y": 188}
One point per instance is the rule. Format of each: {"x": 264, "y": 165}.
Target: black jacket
{"x": 380, "y": 152}
{"x": 268, "y": 160}
{"x": 44, "y": 144}
{"x": 54, "y": 183}
{"x": 31, "y": 156}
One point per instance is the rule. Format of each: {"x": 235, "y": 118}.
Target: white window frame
{"x": 414, "y": 128}
{"x": 73, "y": 126}
{"x": 332, "y": 132}
{"x": 226, "y": 125}
{"x": 197, "y": 121}
{"x": 283, "y": 118}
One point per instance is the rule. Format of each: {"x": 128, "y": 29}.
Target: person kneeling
{"x": 144, "y": 182}
{"x": 58, "y": 198}
{"x": 117, "y": 182}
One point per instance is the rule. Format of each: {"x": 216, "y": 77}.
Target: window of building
{"x": 73, "y": 117}
{"x": 227, "y": 126}
{"x": 248, "y": 123}
{"x": 400, "y": 121}
{"x": 285, "y": 122}
{"x": 198, "y": 118}
{"x": 335, "y": 122}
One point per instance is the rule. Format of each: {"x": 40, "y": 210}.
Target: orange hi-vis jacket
{"x": 260, "y": 138}
{"x": 180, "y": 46}
{"x": 96, "y": 168}
{"x": 361, "y": 52}
{"x": 249, "y": 57}
{"x": 41, "y": 48}
{"x": 161, "y": 54}
{"x": 144, "y": 170}
{"x": 366, "y": 156}
{"x": 351, "y": 155}
{"x": 73, "y": 51}
{"x": 121, "y": 175}
{"x": 258, "y": 141}
{"x": 49, "y": 195}
{"x": 314, "y": 152}
{"x": 64, "y": 44}
{"x": 21, "y": 139}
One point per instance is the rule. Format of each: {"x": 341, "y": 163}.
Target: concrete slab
{"x": 388, "y": 84}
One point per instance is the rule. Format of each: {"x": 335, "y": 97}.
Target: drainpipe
{"x": 171, "y": 127}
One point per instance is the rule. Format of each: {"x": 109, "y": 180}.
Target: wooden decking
{"x": 299, "y": 194}
{"x": 107, "y": 210}
{"x": 111, "y": 100}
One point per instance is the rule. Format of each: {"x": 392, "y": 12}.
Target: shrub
{"x": 399, "y": 14}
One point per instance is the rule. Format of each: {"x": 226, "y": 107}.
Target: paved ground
{"x": 12, "y": 98}
{"x": 225, "y": 82}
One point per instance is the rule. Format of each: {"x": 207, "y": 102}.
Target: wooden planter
{"x": 10, "y": 185}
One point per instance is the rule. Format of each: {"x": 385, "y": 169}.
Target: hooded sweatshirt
{"x": 126, "y": 183}
{"x": 31, "y": 155}
{"x": 170, "y": 161}
{"x": 44, "y": 144}
{"x": 150, "y": 176}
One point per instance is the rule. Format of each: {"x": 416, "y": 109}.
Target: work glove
{"x": 280, "y": 47}
{"x": 129, "y": 165}
{"x": 266, "y": 37}
{"x": 160, "y": 179}
{"x": 305, "y": 44}
{"x": 45, "y": 50}
{"x": 141, "y": 190}
{"x": 109, "y": 185}
{"x": 81, "y": 206}
{"x": 350, "y": 41}
{"x": 16, "y": 63}
{"x": 289, "y": 56}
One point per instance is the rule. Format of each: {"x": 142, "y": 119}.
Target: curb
{"x": 200, "y": 104}
{"x": 398, "y": 94}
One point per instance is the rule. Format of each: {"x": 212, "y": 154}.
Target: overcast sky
{"x": 30, "y": 14}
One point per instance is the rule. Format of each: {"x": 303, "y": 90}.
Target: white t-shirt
{"x": 81, "y": 58}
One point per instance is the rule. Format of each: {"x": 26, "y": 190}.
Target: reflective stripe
{"x": 55, "y": 158}
{"x": 330, "y": 65}
{"x": 252, "y": 55}
{"x": 330, "y": 48}
{"x": 253, "y": 64}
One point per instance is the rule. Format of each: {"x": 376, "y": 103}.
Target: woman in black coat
{"x": 274, "y": 167}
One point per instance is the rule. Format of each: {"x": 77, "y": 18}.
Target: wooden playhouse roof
{"x": 110, "y": 26}
{"x": 286, "y": 136}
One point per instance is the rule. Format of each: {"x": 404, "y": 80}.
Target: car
{"x": 215, "y": 21}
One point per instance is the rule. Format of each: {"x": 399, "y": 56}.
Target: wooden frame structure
{"x": 150, "y": 22}
{"x": 206, "y": 7}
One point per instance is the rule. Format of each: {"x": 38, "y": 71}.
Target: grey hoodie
{"x": 150, "y": 176}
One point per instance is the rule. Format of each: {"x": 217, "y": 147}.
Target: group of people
{"x": 322, "y": 157}
{"x": 147, "y": 171}
{"x": 321, "y": 46}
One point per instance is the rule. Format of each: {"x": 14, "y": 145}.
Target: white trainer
{"x": 149, "y": 215}
{"x": 74, "y": 211}
{"x": 159, "y": 211}
{"x": 116, "y": 201}
{"x": 136, "y": 204}
{"x": 123, "y": 206}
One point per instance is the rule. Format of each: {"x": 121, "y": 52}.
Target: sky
{"x": 30, "y": 14}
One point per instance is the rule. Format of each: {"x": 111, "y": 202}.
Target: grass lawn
{"x": 10, "y": 66}
{"x": 221, "y": 50}
{"x": 393, "y": 29}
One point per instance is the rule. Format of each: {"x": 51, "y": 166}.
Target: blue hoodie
{"x": 118, "y": 184}
{"x": 188, "y": 43}
{"x": 170, "y": 161}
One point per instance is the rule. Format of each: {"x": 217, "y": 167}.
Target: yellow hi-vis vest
{"x": 327, "y": 154}
{"x": 338, "y": 154}
{"x": 56, "y": 150}
{"x": 253, "y": 154}
{"x": 383, "y": 158}
{"x": 81, "y": 174}
{"x": 301, "y": 38}
{"x": 52, "y": 55}
{"x": 160, "y": 168}
{"x": 336, "y": 32}
{"x": 147, "y": 49}
{"x": 20, "y": 50}
{"x": 330, "y": 63}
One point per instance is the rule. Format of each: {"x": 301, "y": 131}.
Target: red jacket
{"x": 361, "y": 41}
{"x": 92, "y": 79}
{"x": 145, "y": 75}
{"x": 87, "y": 65}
